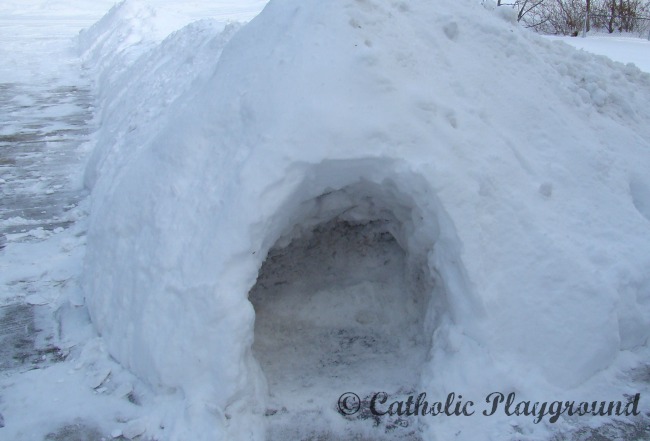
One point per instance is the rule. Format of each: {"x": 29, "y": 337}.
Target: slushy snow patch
{"x": 342, "y": 190}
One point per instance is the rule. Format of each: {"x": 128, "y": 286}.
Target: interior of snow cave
{"x": 345, "y": 299}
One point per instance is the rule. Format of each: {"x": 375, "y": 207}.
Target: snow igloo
{"x": 369, "y": 196}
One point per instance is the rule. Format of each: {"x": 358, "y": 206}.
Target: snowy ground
{"x": 45, "y": 120}
{"x": 621, "y": 48}
{"x": 56, "y": 380}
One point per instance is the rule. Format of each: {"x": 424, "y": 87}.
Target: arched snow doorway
{"x": 346, "y": 299}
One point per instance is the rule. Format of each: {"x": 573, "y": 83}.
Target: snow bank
{"x": 148, "y": 88}
{"x": 112, "y": 44}
{"x": 530, "y": 232}
{"x": 143, "y": 55}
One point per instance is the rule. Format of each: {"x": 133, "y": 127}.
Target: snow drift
{"x": 142, "y": 59}
{"x": 501, "y": 178}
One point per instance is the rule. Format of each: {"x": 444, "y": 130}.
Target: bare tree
{"x": 564, "y": 17}
{"x": 526, "y": 6}
{"x": 527, "y": 11}
{"x": 622, "y": 15}
{"x": 569, "y": 17}
{"x": 612, "y": 18}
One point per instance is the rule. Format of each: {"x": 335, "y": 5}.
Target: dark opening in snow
{"x": 341, "y": 307}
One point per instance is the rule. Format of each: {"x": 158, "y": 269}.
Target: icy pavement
{"x": 45, "y": 111}
{"x": 56, "y": 383}
{"x": 45, "y": 121}
{"x": 45, "y": 118}
{"x": 19, "y": 347}
{"x": 41, "y": 131}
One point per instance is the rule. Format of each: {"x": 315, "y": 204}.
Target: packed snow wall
{"x": 508, "y": 173}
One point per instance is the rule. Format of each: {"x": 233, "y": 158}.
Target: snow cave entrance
{"x": 344, "y": 301}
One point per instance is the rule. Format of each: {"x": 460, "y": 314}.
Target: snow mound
{"x": 141, "y": 65}
{"x": 500, "y": 179}
{"x": 149, "y": 88}
{"x": 112, "y": 44}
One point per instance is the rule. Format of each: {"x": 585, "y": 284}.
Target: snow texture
{"x": 618, "y": 47}
{"x": 503, "y": 175}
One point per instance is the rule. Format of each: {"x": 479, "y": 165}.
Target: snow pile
{"x": 149, "y": 87}
{"x": 112, "y": 44}
{"x": 143, "y": 58}
{"x": 501, "y": 183}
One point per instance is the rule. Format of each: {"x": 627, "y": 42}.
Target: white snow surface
{"x": 528, "y": 235}
{"x": 24, "y": 46}
{"x": 623, "y": 48}
{"x": 138, "y": 75}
